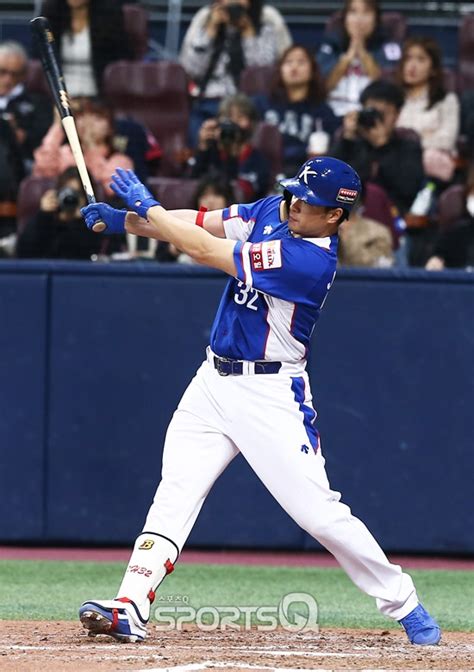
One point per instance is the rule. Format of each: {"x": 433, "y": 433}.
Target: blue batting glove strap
{"x": 137, "y": 197}
{"x": 101, "y": 212}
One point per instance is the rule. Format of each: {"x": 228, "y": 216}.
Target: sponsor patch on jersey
{"x": 266, "y": 255}
{"x": 347, "y": 195}
{"x": 146, "y": 545}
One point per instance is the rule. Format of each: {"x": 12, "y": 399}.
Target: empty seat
{"x": 174, "y": 192}
{"x": 135, "y": 18}
{"x": 35, "y": 81}
{"x": 451, "y": 206}
{"x": 257, "y": 79}
{"x": 394, "y": 25}
{"x": 466, "y": 53}
{"x": 29, "y": 197}
{"x": 155, "y": 94}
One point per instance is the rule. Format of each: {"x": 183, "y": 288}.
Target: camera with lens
{"x": 230, "y": 132}
{"x": 68, "y": 199}
{"x": 235, "y": 11}
{"x": 368, "y": 117}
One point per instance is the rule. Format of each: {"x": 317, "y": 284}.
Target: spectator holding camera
{"x": 57, "y": 230}
{"x": 428, "y": 109}
{"x": 353, "y": 56}
{"x": 380, "y": 154}
{"x": 296, "y": 105}
{"x": 223, "y": 39}
{"x": 225, "y": 148}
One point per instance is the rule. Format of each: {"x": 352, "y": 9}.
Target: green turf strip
{"x": 53, "y": 590}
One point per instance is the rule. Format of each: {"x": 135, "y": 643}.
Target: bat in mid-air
{"x": 47, "y": 50}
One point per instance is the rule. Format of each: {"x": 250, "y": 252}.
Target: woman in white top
{"x": 429, "y": 109}
{"x": 354, "y": 55}
{"x": 90, "y": 35}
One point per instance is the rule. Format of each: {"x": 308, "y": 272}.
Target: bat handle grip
{"x": 98, "y": 226}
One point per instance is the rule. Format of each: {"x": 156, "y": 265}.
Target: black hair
{"x": 66, "y": 176}
{"x": 385, "y": 91}
{"x": 218, "y": 186}
{"x": 316, "y": 84}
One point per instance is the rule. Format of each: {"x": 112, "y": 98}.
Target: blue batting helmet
{"x": 325, "y": 181}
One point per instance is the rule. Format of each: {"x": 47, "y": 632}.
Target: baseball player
{"x": 252, "y": 392}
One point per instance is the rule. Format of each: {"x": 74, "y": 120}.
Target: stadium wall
{"x": 94, "y": 358}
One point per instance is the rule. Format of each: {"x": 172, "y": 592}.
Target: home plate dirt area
{"x": 29, "y": 646}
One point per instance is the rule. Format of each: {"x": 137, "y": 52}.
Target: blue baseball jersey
{"x": 269, "y": 310}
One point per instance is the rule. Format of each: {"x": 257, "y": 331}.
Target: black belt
{"x": 234, "y": 367}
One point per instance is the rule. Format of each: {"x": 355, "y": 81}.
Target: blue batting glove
{"x": 101, "y": 212}
{"x": 137, "y": 197}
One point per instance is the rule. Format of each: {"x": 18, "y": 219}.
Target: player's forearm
{"x": 193, "y": 240}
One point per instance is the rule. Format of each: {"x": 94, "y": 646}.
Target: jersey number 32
{"x": 246, "y": 296}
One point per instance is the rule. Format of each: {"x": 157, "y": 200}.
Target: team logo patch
{"x": 146, "y": 545}
{"x": 266, "y": 255}
{"x": 347, "y": 195}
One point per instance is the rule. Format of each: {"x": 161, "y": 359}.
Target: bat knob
{"x": 99, "y": 227}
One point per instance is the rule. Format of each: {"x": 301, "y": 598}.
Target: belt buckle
{"x": 218, "y": 361}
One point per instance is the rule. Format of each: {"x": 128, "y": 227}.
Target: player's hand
{"x": 101, "y": 212}
{"x": 136, "y": 196}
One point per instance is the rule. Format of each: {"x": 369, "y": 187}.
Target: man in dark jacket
{"x": 225, "y": 149}
{"x": 29, "y": 114}
{"x": 378, "y": 152}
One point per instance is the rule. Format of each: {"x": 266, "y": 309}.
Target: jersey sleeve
{"x": 286, "y": 269}
{"x": 239, "y": 220}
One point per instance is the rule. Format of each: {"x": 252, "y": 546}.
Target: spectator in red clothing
{"x": 225, "y": 149}
{"x": 95, "y": 129}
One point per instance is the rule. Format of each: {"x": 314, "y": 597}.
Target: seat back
{"x": 29, "y": 196}
{"x": 267, "y": 139}
{"x": 35, "y": 81}
{"x": 466, "y": 53}
{"x": 135, "y": 19}
{"x": 155, "y": 94}
{"x": 451, "y": 206}
{"x": 393, "y": 24}
{"x": 257, "y": 79}
{"x": 174, "y": 192}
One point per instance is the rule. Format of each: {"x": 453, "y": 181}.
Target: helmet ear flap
{"x": 287, "y": 196}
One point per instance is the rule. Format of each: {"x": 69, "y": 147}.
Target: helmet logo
{"x": 347, "y": 195}
{"x": 305, "y": 172}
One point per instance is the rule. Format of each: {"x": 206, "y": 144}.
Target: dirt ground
{"x": 29, "y": 646}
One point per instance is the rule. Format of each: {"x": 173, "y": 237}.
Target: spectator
{"x": 211, "y": 194}
{"x": 296, "y": 105}
{"x": 57, "y": 231}
{"x": 221, "y": 41}
{"x": 29, "y": 114}
{"x": 354, "y": 56}
{"x": 385, "y": 157}
{"x": 364, "y": 242}
{"x": 225, "y": 149}
{"x": 90, "y": 35}
{"x": 381, "y": 155}
{"x": 429, "y": 109}
{"x": 11, "y": 174}
{"x": 455, "y": 247}
{"x": 95, "y": 128}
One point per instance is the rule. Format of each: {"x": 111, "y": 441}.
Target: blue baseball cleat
{"x": 118, "y": 618}
{"x": 420, "y": 627}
